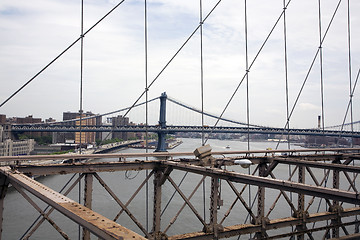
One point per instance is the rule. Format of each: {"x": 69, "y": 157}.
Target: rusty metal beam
{"x": 51, "y": 169}
{"x": 96, "y": 223}
{"x": 38, "y": 224}
{"x": 128, "y": 212}
{"x": 241, "y": 229}
{"x": 183, "y": 206}
{"x": 88, "y": 200}
{"x": 334, "y": 194}
{"x": 332, "y": 166}
{"x": 45, "y": 216}
{"x": 176, "y": 154}
{"x": 134, "y": 195}
{"x": 348, "y": 237}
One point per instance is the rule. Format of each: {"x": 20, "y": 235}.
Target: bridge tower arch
{"x": 161, "y": 147}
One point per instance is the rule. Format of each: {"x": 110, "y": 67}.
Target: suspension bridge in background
{"x": 163, "y": 129}
{"x": 199, "y": 194}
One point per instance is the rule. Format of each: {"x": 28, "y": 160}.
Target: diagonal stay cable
{"x": 251, "y": 64}
{"x": 62, "y": 53}
{"x": 349, "y": 104}
{"x": 173, "y": 57}
{"x": 310, "y": 68}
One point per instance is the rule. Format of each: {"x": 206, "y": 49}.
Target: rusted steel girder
{"x": 317, "y": 191}
{"x": 88, "y": 200}
{"x": 94, "y": 222}
{"x": 52, "y": 169}
{"x": 333, "y": 166}
{"x": 167, "y": 155}
{"x": 241, "y": 229}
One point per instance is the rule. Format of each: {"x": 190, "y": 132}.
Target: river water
{"x": 19, "y": 214}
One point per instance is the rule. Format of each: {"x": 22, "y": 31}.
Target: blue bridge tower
{"x": 161, "y": 147}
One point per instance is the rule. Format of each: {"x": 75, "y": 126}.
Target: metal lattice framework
{"x": 300, "y": 192}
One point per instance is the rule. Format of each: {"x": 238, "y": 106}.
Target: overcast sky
{"x": 32, "y": 33}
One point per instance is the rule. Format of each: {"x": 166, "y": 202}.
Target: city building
{"x": 2, "y": 119}
{"x": 88, "y": 119}
{"x": 122, "y": 121}
{"x": 15, "y": 148}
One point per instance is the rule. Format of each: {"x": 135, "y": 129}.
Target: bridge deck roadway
{"x": 94, "y": 222}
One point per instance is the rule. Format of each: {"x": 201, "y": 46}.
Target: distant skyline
{"x": 35, "y": 32}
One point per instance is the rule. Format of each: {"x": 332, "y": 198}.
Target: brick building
{"x": 86, "y": 137}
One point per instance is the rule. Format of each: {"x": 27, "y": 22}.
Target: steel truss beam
{"x": 81, "y": 214}
{"x": 331, "y": 166}
{"x": 319, "y": 152}
{"x": 241, "y": 229}
{"x": 334, "y": 194}
{"x": 94, "y": 222}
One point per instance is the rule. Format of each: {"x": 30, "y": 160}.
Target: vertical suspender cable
{"x": 146, "y": 112}
{"x": 350, "y": 78}
{"x": 286, "y": 75}
{"x": 287, "y": 92}
{"x": 202, "y": 75}
{"x": 321, "y": 81}
{"x": 350, "y": 70}
{"x": 81, "y": 92}
{"x": 81, "y": 70}
{"x": 247, "y": 79}
{"x": 247, "y": 89}
{"x": 202, "y": 97}
{"x": 321, "y": 72}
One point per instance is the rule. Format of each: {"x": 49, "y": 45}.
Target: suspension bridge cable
{"x": 247, "y": 92}
{"x": 202, "y": 94}
{"x": 247, "y": 76}
{"x": 208, "y": 114}
{"x": 286, "y": 73}
{"x": 173, "y": 57}
{"x": 146, "y": 112}
{"x": 350, "y": 70}
{"x": 310, "y": 68}
{"x": 62, "y": 53}
{"x": 124, "y": 109}
{"x": 321, "y": 71}
{"x": 81, "y": 95}
{"x": 81, "y": 72}
{"x": 201, "y": 74}
{"x": 287, "y": 93}
{"x": 252, "y": 63}
{"x": 348, "y": 107}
